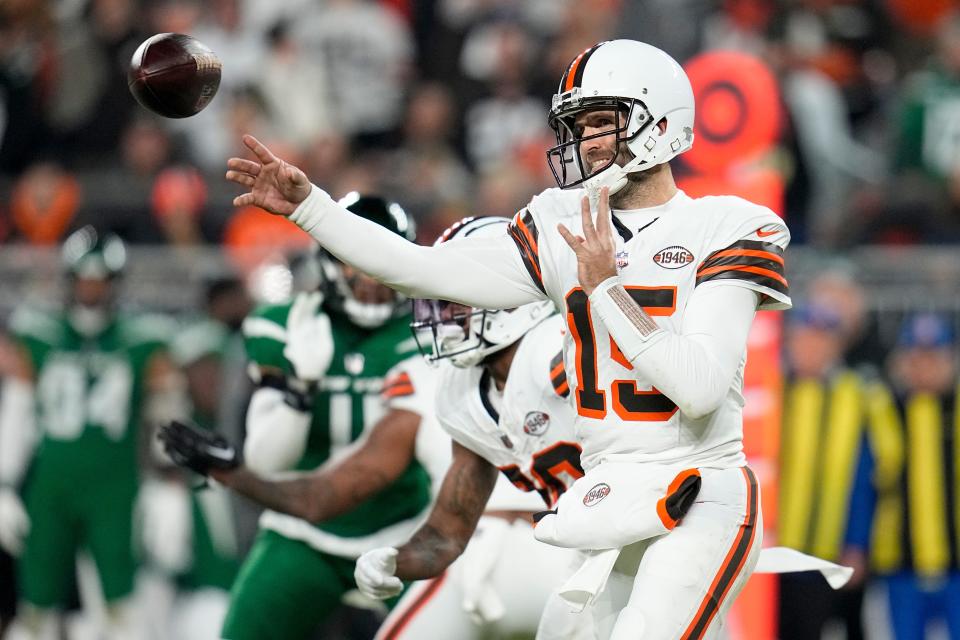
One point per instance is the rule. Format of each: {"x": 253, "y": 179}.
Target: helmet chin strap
{"x": 614, "y": 177}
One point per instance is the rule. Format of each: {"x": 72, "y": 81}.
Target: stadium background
{"x": 809, "y": 106}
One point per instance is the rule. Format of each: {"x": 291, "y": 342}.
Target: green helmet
{"x": 338, "y": 290}
{"x": 381, "y": 211}
{"x": 89, "y": 254}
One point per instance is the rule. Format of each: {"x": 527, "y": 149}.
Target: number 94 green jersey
{"x": 89, "y": 391}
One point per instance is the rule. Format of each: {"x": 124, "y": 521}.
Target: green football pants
{"x": 285, "y": 590}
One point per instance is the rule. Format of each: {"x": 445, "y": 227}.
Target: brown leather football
{"x": 174, "y": 75}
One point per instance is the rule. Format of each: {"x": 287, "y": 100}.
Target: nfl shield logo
{"x": 623, "y": 259}
{"x": 353, "y": 363}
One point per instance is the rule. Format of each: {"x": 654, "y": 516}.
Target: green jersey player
{"x": 74, "y": 395}
{"x": 320, "y": 362}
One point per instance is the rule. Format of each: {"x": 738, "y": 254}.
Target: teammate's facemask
{"x": 354, "y": 294}
{"x": 644, "y": 86}
{"x": 467, "y": 335}
{"x": 94, "y": 264}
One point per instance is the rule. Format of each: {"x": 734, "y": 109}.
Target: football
{"x": 174, "y": 75}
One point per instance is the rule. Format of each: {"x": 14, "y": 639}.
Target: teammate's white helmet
{"x": 467, "y": 335}
{"x": 639, "y": 81}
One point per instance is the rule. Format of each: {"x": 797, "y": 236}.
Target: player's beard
{"x": 637, "y": 181}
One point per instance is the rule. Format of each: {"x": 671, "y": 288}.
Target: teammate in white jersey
{"x": 659, "y": 292}
{"x": 504, "y": 402}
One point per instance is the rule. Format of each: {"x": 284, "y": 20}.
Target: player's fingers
{"x": 603, "y": 205}
{"x": 589, "y": 233}
{"x": 604, "y": 222}
{"x": 369, "y": 578}
{"x": 388, "y": 560}
{"x": 289, "y": 178}
{"x": 572, "y": 240}
{"x": 392, "y": 585}
{"x": 259, "y": 149}
{"x": 244, "y": 165}
{"x": 294, "y": 175}
{"x": 244, "y": 200}
{"x": 241, "y": 178}
{"x": 384, "y": 589}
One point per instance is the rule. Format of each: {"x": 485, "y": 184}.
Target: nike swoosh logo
{"x": 764, "y": 234}
{"x": 647, "y": 225}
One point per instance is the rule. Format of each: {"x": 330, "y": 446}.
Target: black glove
{"x": 198, "y": 449}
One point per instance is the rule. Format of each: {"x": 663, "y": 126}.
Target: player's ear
{"x": 662, "y": 126}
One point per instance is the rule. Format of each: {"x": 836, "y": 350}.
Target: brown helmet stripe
{"x": 574, "y": 75}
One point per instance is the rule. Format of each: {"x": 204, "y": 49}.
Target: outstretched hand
{"x": 596, "y": 249}
{"x": 275, "y": 185}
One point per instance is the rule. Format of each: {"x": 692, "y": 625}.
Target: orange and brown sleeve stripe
{"x": 524, "y": 232}
{"x": 558, "y": 376}
{"x": 750, "y": 260}
{"x": 731, "y": 567}
{"x": 398, "y": 386}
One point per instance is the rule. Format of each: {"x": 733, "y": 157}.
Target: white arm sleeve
{"x": 486, "y": 273}
{"x": 276, "y": 432}
{"x": 18, "y": 435}
{"x": 695, "y": 367}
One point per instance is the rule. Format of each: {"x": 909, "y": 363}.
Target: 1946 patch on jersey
{"x": 596, "y": 494}
{"x": 536, "y": 423}
{"x": 673, "y": 257}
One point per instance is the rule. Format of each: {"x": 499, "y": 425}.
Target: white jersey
{"x": 527, "y": 432}
{"x": 663, "y": 253}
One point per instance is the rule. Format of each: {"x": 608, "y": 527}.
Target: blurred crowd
{"x": 868, "y": 466}
{"x": 441, "y": 104}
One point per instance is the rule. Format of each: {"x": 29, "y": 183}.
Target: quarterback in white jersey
{"x": 637, "y": 412}
{"x": 659, "y": 291}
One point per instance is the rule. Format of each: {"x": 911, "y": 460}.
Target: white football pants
{"x": 680, "y": 585}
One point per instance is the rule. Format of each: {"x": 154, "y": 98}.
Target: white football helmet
{"x": 467, "y": 335}
{"x": 637, "y": 80}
